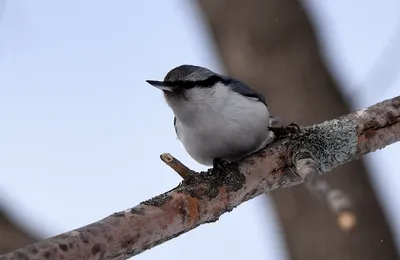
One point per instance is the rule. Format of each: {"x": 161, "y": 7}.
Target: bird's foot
{"x": 220, "y": 164}
{"x": 291, "y": 130}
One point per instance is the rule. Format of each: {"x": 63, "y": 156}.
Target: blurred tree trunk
{"x": 271, "y": 45}
{"x": 11, "y": 235}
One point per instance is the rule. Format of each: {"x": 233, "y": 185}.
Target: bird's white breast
{"x": 218, "y": 123}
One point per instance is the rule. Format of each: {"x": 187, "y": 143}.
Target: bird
{"x": 217, "y": 118}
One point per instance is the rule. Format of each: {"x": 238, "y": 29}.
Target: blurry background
{"x": 79, "y": 126}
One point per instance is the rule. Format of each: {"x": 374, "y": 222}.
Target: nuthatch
{"x": 217, "y": 118}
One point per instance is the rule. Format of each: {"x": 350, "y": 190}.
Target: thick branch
{"x": 204, "y": 197}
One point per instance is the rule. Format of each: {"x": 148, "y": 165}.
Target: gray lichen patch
{"x": 330, "y": 143}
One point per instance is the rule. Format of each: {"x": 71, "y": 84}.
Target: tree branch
{"x": 205, "y": 196}
{"x": 338, "y": 201}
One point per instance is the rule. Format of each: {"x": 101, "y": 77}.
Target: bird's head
{"x": 184, "y": 81}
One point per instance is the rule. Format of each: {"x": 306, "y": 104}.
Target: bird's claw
{"x": 291, "y": 130}
{"x": 220, "y": 164}
{"x": 295, "y": 126}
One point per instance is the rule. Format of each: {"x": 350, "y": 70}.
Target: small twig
{"x": 176, "y": 165}
{"x": 338, "y": 201}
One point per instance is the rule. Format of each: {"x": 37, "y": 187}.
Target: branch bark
{"x": 204, "y": 197}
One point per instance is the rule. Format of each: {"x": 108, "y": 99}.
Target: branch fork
{"x": 306, "y": 168}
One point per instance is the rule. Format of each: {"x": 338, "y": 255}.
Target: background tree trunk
{"x": 271, "y": 45}
{"x": 11, "y": 235}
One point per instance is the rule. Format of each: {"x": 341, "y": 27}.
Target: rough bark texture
{"x": 206, "y": 196}
{"x": 11, "y": 235}
{"x": 270, "y": 45}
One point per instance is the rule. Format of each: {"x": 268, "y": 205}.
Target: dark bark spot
{"x": 110, "y": 239}
{"x": 118, "y": 214}
{"x": 369, "y": 134}
{"x": 129, "y": 241}
{"x": 392, "y": 117}
{"x": 70, "y": 245}
{"x": 63, "y": 247}
{"x": 84, "y": 238}
{"x": 250, "y": 194}
{"x": 137, "y": 211}
{"x": 371, "y": 124}
{"x": 46, "y": 254}
{"x": 96, "y": 249}
{"x": 94, "y": 229}
{"x": 183, "y": 212}
{"x": 21, "y": 256}
{"x": 33, "y": 250}
{"x": 396, "y": 106}
{"x": 157, "y": 201}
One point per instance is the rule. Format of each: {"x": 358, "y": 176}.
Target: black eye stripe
{"x": 207, "y": 83}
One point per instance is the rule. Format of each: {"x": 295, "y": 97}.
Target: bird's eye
{"x": 184, "y": 84}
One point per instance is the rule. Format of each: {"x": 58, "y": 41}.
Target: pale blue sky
{"x": 81, "y": 131}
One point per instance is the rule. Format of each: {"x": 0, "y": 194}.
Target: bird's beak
{"x": 161, "y": 85}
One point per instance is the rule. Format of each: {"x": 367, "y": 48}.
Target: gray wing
{"x": 176, "y": 129}
{"x": 245, "y": 90}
